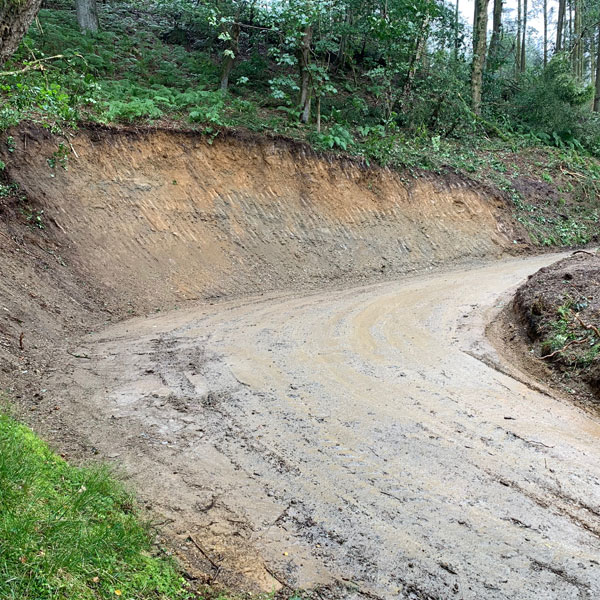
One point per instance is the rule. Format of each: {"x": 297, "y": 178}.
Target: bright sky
{"x": 534, "y": 15}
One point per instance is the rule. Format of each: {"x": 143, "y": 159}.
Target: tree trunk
{"x": 592, "y": 59}
{"x": 15, "y": 18}
{"x": 479, "y": 45}
{"x": 303, "y": 62}
{"x": 228, "y": 60}
{"x": 577, "y": 48}
{"x": 342, "y": 49}
{"x": 496, "y": 33}
{"x": 87, "y": 15}
{"x": 416, "y": 56}
{"x": 456, "y": 23}
{"x": 560, "y": 25}
{"x": 597, "y": 96}
{"x": 524, "y": 40}
{"x": 545, "y": 11}
{"x": 570, "y": 24}
{"x": 518, "y": 48}
{"x": 319, "y": 114}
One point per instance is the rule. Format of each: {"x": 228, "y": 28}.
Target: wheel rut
{"x": 344, "y": 441}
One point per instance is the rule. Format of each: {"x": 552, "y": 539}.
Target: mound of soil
{"x": 559, "y": 307}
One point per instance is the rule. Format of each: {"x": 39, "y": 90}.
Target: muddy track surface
{"x": 367, "y": 440}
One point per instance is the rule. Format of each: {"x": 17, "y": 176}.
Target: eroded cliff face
{"x": 161, "y": 216}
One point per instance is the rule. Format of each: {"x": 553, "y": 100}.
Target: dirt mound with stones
{"x": 559, "y": 308}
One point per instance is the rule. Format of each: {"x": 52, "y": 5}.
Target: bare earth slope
{"x": 162, "y": 216}
{"x": 353, "y": 437}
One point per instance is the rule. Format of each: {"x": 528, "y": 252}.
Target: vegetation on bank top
{"x": 393, "y": 88}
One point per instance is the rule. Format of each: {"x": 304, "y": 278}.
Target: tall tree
{"x": 15, "y": 18}
{"x": 456, "y": 29}
{"x": 87, "y": 15}
{"x": 597, "y": 96}
{"x": 523, "y": 58}
{"x": 577, "y": 43}
{"x": 518, "y": 44}
{"x": 545, "y": 16}
{"x": 480, "y": 19}
{"x": 496, "y": 31}
{"x": 560, "y": 25}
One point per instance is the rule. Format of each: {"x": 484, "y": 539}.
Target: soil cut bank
{"x": 144, "y": 220}
{"x": 349, "y": 438}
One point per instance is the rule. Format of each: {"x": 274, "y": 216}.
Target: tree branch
{"x": 36, "y": 65}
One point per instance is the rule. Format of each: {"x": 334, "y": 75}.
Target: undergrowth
{"x": 132, "y": 73}
{"x": 569, "y": 338}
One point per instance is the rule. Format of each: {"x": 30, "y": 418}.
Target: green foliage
{"x": 336, "y": 136}
{"x": 69, "y": 532}
{"x": 552, "y": 106}
{"x": 567, "y": 328}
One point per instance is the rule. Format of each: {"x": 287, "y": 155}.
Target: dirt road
{"x": 354, "y": 438}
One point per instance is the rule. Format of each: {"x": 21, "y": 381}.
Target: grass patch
{"x": 70, "y": 532}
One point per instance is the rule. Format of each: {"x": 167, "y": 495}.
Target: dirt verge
{"x": 552, "y": 327}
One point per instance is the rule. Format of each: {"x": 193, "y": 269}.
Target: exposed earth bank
{"x": 135, "y": 221}
{"x": 362, "y": 439}
{"x": 559, "y": 309}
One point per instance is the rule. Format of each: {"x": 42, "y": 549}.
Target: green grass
{"x": 72, "y": 533}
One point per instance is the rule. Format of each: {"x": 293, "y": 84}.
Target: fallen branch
{"x": 565, "y": 172}
{"x": 79, "y": 355}
{"x": 571, "y": 343}
{"x": 276, "y": 577}
{"x": 204, "y": 553}
{"x": 589, "y": 327}
{"x": 538, "y": 443}
{"x": 36, "y": 65}
{"x": 582, "y": 252}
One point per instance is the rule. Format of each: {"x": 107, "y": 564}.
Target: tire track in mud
{"x": 353, "y": 441}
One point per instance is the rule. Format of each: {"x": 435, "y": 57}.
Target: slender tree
{"x": 456, "y": 30}
{"x": 597, "y": 96}
{"x": 15, "y": 18}
{"x": 496, "y": 32}
{"x": 592, "y": 57}
{"x": 518, "y": 42}
{"x": 560, "y": 25}
{"x": 480, "y": 19}
{"x": 545, "y": 16}
{"x": 577, "y": 43}
{"x": 305, "y": 79}
{"x": 523, "y": 58}
{"x": 233, "y": 37}
{"x": 87, "y": 15}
